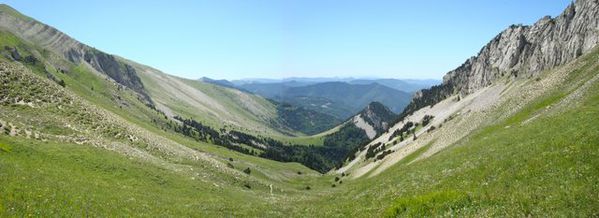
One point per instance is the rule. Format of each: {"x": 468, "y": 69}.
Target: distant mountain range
{"x": 338, "y": 97}
{"x": 406, "y": 85}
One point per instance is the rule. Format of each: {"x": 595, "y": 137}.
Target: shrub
{"x": 427, "y": 119}
{"x": 382, "y": 155}
{"x": 247, "y": 171}
{"x": 374, "y": 149}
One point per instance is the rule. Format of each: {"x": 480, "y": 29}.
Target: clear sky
{"x": 286, "y": 38}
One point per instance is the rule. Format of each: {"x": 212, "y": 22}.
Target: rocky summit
{"x": 522, "y": 51}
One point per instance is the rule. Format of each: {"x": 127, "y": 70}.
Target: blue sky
{"x": 290, "y": 38}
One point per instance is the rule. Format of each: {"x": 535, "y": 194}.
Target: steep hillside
{"x": 217, "y": 106}
{"x": 70, "y": 134}
{"x": 217, "y": 115}
{"x": 220, "y": 82}
{"x": 531, "y": 153}
{"x": 352, "y": 135}
{"x": 75, "y": 52}
{"x": 214, "y": 105}
{"x": 105, "y": 94}
{"x": 510, "y": 72}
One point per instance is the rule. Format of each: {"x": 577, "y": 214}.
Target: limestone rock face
{"x": 521, "y": 51}
{"x": 378, "y": 116}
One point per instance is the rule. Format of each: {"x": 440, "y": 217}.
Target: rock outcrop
{"x": 521, "y": 52}
{"x": 378, "y": 116}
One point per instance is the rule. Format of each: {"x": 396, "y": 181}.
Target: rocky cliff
{"x": 378, "y": 116}
{"x": 51, "y": 39}
{"x": 521, "y": 52}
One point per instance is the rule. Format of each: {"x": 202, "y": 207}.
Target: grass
{"x": 5, "y": 148}
{"x": 429, "y": 204}
{"x": 51, "y": 179}
{"x": 282, "y": 176}
{"x": 301, "y": 140}
{"x": 7, "y": 39}
{"x": 547, "y": 167}
{"x": 411, "y": 157}
{"x": 12, "y": 12}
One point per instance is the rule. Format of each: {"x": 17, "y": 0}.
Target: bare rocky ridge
{"x": 521, "y": 52}
{"x": 374, "y": 119}
{"x": 378, "y": 116}
{"x": 72, "y": 50}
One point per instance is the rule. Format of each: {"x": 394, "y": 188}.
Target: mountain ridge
{"x": 340, "y": 99}
{"x": 76, "y": 52}
{"x": 521, "y": 51}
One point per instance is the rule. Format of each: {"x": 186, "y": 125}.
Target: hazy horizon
{"x": 236, "y": 40}
{"x": 332, "y": 78}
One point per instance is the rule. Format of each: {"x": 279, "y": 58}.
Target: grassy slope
{"x": 55, "y": 179}
{"x": 547, "y": 167}
{"x": 227, "y": 97}
{"x": 7, "y": 9}
{"x": 79, "y": 80}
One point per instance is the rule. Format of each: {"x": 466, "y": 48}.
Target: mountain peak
{"x": 4, "y": 8}
{"x": 377, "y": 107}
{"x": 521, "y": 52}
{"x": 377, "y": 116}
